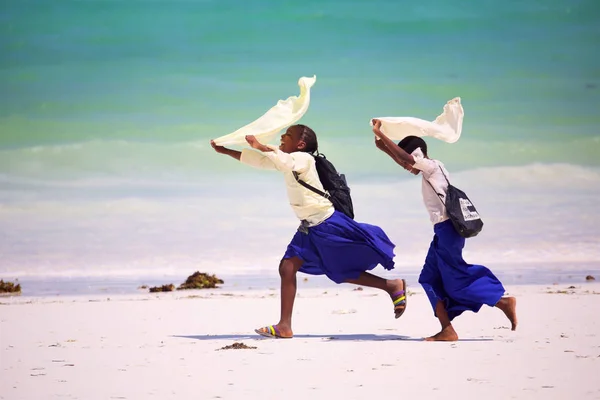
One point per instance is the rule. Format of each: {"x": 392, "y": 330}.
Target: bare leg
{"x": 287, "y": 271}
{"x": 388, "y": 285}
{"x": 447, "y": 334}
{"x": 391, "y": 286}
{"x": 508, "y": 305}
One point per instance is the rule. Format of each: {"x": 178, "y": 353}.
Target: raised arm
{"x": 381, "y": 146}
{"x": 394, "y": 151}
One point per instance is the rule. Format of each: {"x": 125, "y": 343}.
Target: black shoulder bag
{"x": 337, "y": 189}
{"x": 460, "y": 210}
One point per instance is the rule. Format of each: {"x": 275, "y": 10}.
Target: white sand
{"x": 347, "y": 346}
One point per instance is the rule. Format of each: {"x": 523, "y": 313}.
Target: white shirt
{"x": 307, "y": 205}
{"x": 431, "y": 172}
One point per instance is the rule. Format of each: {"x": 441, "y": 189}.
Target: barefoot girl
{"x": 452, "y": 285}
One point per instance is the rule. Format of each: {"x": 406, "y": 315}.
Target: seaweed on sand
{"x": 200, "y": 280}
{"x": 164, "y": 288}
{"x": 9, "y": 287}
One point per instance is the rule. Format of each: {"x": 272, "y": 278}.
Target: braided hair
{"x": 309, "y": 137}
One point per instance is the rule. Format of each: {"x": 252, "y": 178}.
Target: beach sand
{"x": 347, "y": 346}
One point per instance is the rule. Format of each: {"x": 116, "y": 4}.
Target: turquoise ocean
{"x": 107, "y": 108}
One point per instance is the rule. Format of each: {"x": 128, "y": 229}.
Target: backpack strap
{"x": 439, "y": 195}
{"x": 309, "y": 187}
{"x": 445, "y": 177}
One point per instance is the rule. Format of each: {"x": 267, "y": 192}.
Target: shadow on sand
{"x": 358, "y": 337}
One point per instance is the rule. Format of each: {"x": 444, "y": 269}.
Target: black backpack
{"x": 334, "y": 183}
{"x": 460, "y": 210}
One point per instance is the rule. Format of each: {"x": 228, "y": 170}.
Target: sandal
{"x": 272, "y": 332}
{"x": 399, "y": 299}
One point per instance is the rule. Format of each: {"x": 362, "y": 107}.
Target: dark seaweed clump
{"x": 9, "y": 287}
{"x": 200, "y": 280}
{"x": 164, "y": 288}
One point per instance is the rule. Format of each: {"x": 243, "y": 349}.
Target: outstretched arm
{"x": 255, "y": 144}
{"x": 264, "y": 158}
{"x": 224, "y": 150}
{"x": 394, "y": 151}
{"x": 278, "y": 159}
{"x": 252, "y": 141}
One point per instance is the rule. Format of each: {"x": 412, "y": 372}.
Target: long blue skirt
{"x": 341, "y": 248}
{"x": 447, "y": 277}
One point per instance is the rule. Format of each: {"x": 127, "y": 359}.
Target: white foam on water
{"x": 533, "y": 214}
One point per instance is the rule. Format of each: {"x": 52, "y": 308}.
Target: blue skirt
{"x": 447, "y": 277}
{"x": 341, "y": 248}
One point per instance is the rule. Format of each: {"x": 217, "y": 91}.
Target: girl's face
{"x": 291, "y": 140}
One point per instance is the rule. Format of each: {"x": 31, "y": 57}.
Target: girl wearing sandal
{"x": 452, "y": 285}
{"x": 328, "y": 242}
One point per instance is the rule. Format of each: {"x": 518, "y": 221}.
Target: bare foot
{"x": 276, "y": 331}
{"x": 508, "y": 305}
{"x": 448, "y": 334}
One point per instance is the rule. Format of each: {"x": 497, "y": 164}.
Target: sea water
{"x": 107, "y": 108}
